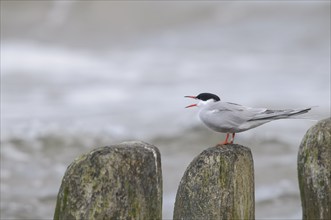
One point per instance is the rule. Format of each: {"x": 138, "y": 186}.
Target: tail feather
{"x": 299, "y": 112}
{"x": 279, "y": 114}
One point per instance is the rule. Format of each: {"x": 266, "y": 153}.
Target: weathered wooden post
{"x": 314, "y": 171}
{"x": 218, "y": 184}
{"x": 122, "y": 181}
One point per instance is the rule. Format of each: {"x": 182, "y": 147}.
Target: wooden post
{"x": 314, "y": 171}
{"x": 218, "y": 184}
{"x": 122, "y": 181}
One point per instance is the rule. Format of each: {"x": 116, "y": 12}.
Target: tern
{"x": 232, "y": 118}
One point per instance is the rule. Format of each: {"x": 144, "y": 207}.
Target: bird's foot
{"x": 226, "y": 140}
{"x": 221, "y": 144}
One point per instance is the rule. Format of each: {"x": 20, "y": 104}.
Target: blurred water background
{"x": 80, "y": 75}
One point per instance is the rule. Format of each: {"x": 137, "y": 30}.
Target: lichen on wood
{"x": 122, "y": 181}
{"x": 314, "y": 171}
{"x": 218, "y": 184}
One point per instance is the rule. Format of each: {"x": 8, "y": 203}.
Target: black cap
{"x": 206, "y": 96}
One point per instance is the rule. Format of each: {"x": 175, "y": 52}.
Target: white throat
{"x": 202, "y": 103}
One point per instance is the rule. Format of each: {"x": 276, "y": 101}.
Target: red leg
{"x": 233, "y": 134}
{"x": 226, "y": 140}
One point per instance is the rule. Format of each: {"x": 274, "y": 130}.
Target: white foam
{"x": 37, "y": 59}
{"x": 12, "y": 153}
{"x": 274, "y": 191}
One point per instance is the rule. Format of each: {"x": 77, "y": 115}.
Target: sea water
{"x": 81, "y": 75}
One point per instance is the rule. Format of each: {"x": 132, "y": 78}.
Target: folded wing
{"x": 278, "y": 114}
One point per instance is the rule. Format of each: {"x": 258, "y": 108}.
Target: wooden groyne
{"x": 117, "y": 182}
{"x": 314, "y": 171}
{"x": 124, "y": 181}
{"x": 218, "y": 184}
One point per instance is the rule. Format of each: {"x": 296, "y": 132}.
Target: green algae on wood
{"x": 122, "y": 181}
{"x": 314, "y": 171}
{"x": 218, "y": 184}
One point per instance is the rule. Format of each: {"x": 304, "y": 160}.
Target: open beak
{"x": 189, "y": 96}
{"x": 189, "y": 106}
{"x": 192, "y": 97}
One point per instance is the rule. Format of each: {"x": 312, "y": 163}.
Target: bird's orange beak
{"x": 189, "y": 106}
{"x": 192, "y": 97}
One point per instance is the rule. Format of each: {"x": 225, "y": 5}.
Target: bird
{"x": 232, "y": 118}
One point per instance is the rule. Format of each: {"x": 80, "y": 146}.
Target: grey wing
{"x": 239, "y": 110}
{"x": 229, "y": 117}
